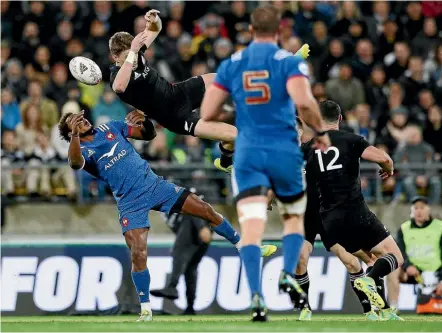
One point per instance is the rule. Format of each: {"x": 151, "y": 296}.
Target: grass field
{"x": 218, "y": 323}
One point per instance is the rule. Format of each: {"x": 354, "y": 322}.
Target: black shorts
{"x": 354, "y": 228}
{"x": 189, "y": 95}
{"x": 313, "y": 226}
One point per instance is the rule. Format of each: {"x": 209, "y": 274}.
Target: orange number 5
{"x": 263, "y": 88}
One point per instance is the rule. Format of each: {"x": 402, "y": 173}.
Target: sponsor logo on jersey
{"x": 110, "y": 153}
{"x": 125, "y": 222}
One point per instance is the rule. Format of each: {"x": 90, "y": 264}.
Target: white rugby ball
{"x": 85, "y": 70}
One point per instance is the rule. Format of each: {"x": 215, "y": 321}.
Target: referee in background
{"x": 193, "y": 236}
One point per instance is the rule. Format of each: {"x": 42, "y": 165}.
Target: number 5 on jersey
{"x": 249, "y": 79}
{"x": 331, "y": 165}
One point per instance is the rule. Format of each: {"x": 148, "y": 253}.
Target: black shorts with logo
{"x": 183, "y": 119}
{"x": 354, "y": 227}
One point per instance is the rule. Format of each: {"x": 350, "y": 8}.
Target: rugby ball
{"x": 85, "y": 70}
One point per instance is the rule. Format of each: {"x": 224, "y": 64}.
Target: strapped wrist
{"x": 131, "y": 56}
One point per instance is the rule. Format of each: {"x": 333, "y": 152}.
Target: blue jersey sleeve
{"x": 221, "y": 78}
{"x": 295, "y": 66}
{"x": 122, "y": 128}
{"x": 87, "y": 154}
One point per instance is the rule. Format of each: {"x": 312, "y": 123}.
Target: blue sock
{"x": 251, "y": 258}
{"x": 226, "y": 230}
{"x": 291, "y": 248}
{"x": 142, "y": 283}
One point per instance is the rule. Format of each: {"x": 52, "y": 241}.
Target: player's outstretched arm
{"x": 153, "y": 26}
{"x": 380, "y": 157}
{"x": 141, "y": 128}
{"x": 76, "y": 159}
{"x": 213, "y": 100}
{"x": 124, "y": 74}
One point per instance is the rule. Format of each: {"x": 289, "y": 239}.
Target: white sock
{"x": 146, "y": 306}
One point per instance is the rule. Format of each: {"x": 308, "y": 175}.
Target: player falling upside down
{"x": 313, "y": 226}
{"x": 347, "y": 220}
{"x": 266, "y": 83}
{"x": 171, "y": 105}
{"x": 106, "y": 153}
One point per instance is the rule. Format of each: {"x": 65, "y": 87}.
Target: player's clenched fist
{"x": 135, "y": 118}
{"x": 153, "y": 20}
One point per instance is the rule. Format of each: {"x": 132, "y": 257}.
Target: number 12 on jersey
{"x": 250, "y": 85}
{"x": 331, "y": 165}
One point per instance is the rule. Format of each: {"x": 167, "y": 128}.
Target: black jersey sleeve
{"x": 359, "y": 145}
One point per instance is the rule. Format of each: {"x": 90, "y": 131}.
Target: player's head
{"x": 331, "y": 112}
{"x": 65, "y": 128}
{"x": 420, "y": 210}
{"x": 119, "y": 47}
{"x": 264, "y": 22}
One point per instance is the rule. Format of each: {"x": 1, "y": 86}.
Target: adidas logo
{"x": 83, "y": 68}
{"x": 137, "y": 75}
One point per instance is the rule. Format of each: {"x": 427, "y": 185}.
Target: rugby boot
{"x": 367, "y": 285}
{"x": 268, "y": 250}
{"x": 259, "y": 309}
{"x": 288, "y": 284}
{"x": 145, "y": 315}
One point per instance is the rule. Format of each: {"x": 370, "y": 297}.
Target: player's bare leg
{"x": 219, "y": 224}
{"x": 252, "y": 214}
{"x": 136, "y": 240}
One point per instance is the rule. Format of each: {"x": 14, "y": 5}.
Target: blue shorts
{"x": 256, "y": 169}
{"x": 165, "y": 197}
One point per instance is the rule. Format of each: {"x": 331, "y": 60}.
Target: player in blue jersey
{"x": 106, "y": 153}
{"x": 265, "y": 83}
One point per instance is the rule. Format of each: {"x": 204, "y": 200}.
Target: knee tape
{"x": 252, "y": 210}
{"x": 295, "y": 208}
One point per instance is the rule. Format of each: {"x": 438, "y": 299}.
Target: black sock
{"x": 380, "y": 285}
{"x": 383, "y": 266}
{"x": 363, "y": 299}
{"x": 226, "y": 156}
{"x": 304, "y": 282}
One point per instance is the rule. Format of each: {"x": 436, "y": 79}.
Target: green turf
{"x": 217, "y": 323}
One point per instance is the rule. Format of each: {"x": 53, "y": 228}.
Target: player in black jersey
{"x": 171, "y": 105}
{"x": 346, "y": 217}
{"x": 313, "y": 227}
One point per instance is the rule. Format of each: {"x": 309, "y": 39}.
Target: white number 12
{"x": 331, "y": 165}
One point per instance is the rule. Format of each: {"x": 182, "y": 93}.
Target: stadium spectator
{"x": 7, "y": 21}
{"x": 181, "y": 63}
{"x": 129, "y": 15}
{"x": 381, "y": 15}
{"x": 363, "y": 124}
{"x": 375, "y": 92}
{"x": 103, "y": 13}
{"x": 330, "y": 63}
{"x": 223, "y": 50}
{"x": 27, "y": 130}
{"x": 423, "y": 268}
{"x": 108, "y": 108}
{"x": 30, "y": 42}
{"x": 190, "y": 151}
{"x": 5, "y": 54}
{"x": 413, "y": 22}
{"x": 57, "y": 89}
{"x": 362, "y": 64}
{"x": 58, "y": 43}
{"x": 41, "y": 15}
{"x": 98, "y": 46}
{"x": 386, "y": 41}
{"x": 15, "y": 78}
{"x": 70, "y": 11}
{"x": 347, "y": 13}
{"x": 292, "y": 44}
{"x": 318, "y": 41}
{"x": 11, "y": 178}
{"x": 345, "y": 90}
{"x": 305, "y": 18}
{"x": 427, "y": 39}
{"x": 203, "y": 45}
{"x": 417, "y": 151}
{"x": 414, "y": 81}
{"x": 74, "y": 48}
{"x": 433, "y": 130}
{"x": 285, "y": 31}
{"x": 419, "y": 112}
{"x": 433, "y": 65}
{"x": 38, "y": 69}
{"x": 318, "y": 90}
{"x": 397, "y": 66}
{"x": 11, "y": 116}
{"x": 48, "y": 108}
{"x": 237, "y": 19}
{"x": 74, "y": 96}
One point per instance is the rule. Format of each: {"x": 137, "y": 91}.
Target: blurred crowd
{"x": 381, "y": 61}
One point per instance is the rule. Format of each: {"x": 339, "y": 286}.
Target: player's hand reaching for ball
{"x": 138, "y": 41}
{"x": 76, "y": 122}
{"x": 135, "y": 118}
{"x": 153, "y": 20}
